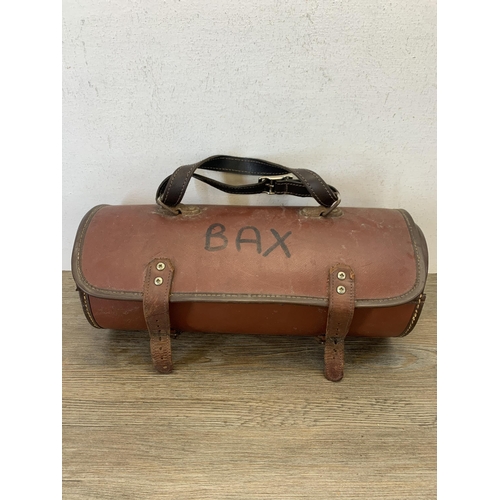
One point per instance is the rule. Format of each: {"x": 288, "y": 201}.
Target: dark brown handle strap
{"x": 156, "y": 295}
{"x": 340, "y": 314}
{"x": 307, "y": 183}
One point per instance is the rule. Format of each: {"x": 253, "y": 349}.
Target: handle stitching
{"x": 220, "y": 169}
{"x": 170, "y": 182}
{"x": 300, "y": 176}
{"x": 315, "y": 195}
{"x": 186, "y": 180}
{"x": 165, "y": 304}
{"x": 323, "y": 183}
{"x": 253, "y": 161}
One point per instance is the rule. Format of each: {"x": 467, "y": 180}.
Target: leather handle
{"x": 275, "y": 179}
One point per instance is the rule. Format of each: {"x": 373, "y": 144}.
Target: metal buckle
{"x": 270, "y": 181}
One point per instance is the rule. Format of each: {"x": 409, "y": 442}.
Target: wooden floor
{"x": 247, "y": 416}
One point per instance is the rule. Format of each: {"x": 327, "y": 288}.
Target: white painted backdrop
{"x": 346, "y": 88}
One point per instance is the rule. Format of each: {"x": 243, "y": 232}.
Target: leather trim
{"x": 87, "y": 309}
{"x": 415, "y": 316}
{"x": 418, "y": 242}
{"x": 76, "y": 269}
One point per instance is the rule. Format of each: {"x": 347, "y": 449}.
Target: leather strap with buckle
{"x": 340, "y": 313}
{"x": 156, "y": 296}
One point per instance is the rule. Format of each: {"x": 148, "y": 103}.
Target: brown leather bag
{"x": 317, "y": 271}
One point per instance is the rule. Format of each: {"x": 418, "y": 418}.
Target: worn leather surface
{"x": 251, "y": 254}
{"x": 340, "y": 314}
{"x": 242, "y": 269}
{"x": 157, "y": 286}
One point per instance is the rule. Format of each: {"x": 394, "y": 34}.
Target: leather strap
{"x": 156, "y": 294}
{"x": 340, "y": 313}
{"x": 307, "y": 183}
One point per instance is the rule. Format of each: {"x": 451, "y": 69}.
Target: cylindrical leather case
{"x": 251, "y": 269}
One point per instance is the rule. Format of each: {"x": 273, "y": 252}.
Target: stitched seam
{"x": 292, "y": 194}
{"x": 146, "y": 295}
{"x": 248, "y": 295}
{"x": 414, "y": 317}
{"x": 287, "y": 191}
{"x": 88, "y": 313}
{"x": 78, "y": 259}
{"x": 186, "y": 180}
{"x": 151, "y": 327}
{"x": 303, "y": 179}
{"x": 166, "y": 319}
{"x": 168, "y": 281}
{"x": 245, "y": 161}
{"x": 220, "y": 169}
{"x": 417, "y": 279}
{"x": 165, "y": 303}
{"x": 329, "y": 318}
{"x": 352, "y": 301}
{"x": 170, "y": 182}
{"x": 251, "y": 187}
{"x": 310, "y": 187}
{"x": 324, "y": 185}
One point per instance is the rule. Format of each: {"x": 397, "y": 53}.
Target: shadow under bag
{"x": 315, "y": 271}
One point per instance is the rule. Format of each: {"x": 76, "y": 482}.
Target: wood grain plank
{"x": 247, "y": 416}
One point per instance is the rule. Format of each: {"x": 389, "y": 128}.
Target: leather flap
{"x": 251, "y": 254}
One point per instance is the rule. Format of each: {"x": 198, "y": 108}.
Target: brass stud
{"x": 158, "y": 281}
{"x": 160, "y": 266}
{"x": 341, "y": 289}
{"x": 341, "y": 275}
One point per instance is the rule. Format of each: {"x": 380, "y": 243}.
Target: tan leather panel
{"x": 267, "y": 253}
{"x": 250, "y": 318}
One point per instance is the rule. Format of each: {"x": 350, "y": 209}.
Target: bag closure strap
{"x": 340, "y": 314}
{"x": 156, "y": 299}
{"x": 156, "y": 295}
{"x": 274, "y": 179}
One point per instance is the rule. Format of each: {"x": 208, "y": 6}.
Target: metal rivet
{"x": 158, "y": 281}
{"x": 160, "y": 266}
{"x": 341, "y": 289}
{"x": 341, "y": 275}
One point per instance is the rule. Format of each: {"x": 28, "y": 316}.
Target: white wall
{"x": 346, "y": 88}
